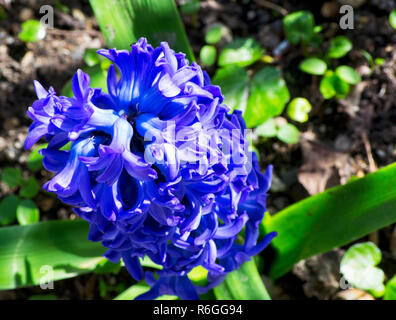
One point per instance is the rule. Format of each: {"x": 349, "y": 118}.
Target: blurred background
{"x": 319, "y": 87}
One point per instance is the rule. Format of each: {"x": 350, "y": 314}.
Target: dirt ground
{"x": 342, "y": 139}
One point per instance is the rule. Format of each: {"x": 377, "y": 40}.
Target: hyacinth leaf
{"x": 123, "y": 22}
{"x": 60, "y": 249}
{"x": 233, "y": 81}
{"x": 268, "y": 96}
{"x": 333, "y": 218}
{"x": 358, "y": 265}
{"x": 138, "y": 289}
{"x": 243, "y": 284}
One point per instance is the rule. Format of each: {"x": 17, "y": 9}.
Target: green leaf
{"x": 214, "y": 34}
{"x": 268, "y": 96}
{"x": 332, "y": 85}
{"x": 390, "y": 289}
{"x": 43, "y": 297}
{"x": 241, "y": 52}
{"x": 298, "y": 109}
{"x": 8, "y": 207}
{"x": 379, "y": 61}
{"x": 233, "y": 81}
{"x": 268, "y": 129}
{"x": 358, "y": 265}
{"x": 35, "y": 159}
{"x": 29, "y": 189}
{"x": 12, "y": 177}
{"x": 368, "y": 57}
{"x": 32, "y": 30}
{"x": 91, "y": 57}
{"x": 190, "y": 7}
{"x": 392, "y": 18}
{"x": 27, "y": 212}
{"x": 348, "y": 74}
{"x": 288, "y": 133}
{"x": 61, "y": 245}
{"x": 105, "y": 267}
{"x": 137, "y": 290}
{"x": 123, "y": 22}
{"x": 313, "y": 66}
{"x": 243, "y": 284}
{"x": 339, "y": 47}
{"x": 333, "y": 218}
{"x": 299, "y": 26}
{"x": 207, "y": 55}
{"x": 98, "y": 80}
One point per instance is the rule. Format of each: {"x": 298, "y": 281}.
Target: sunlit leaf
{"x": 348, "y": 74}
{"x": 333, "y": 218}
{"x": 268, "y": 96}
{"x": 241, "y": 52}
{"x": 32, "y": 30}
{"x": 27, "y": 212}
{"x": 313, "y": 66}
{"x": 358, "y": 265}
{"x": 243, "y": 284}
{"x": 123, "y": 22}
{"x": 207, "y": 55}
{"x": 390, "y": 289}
{"x": 288, "y": 133}
{"x": 233, "y": 81}
{"x": 298, "y": 109}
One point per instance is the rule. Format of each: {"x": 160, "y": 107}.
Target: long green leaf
{"x": 40, "y": 251}
{"x": 123, "y": 22}
{"x": 333, "y": 218}
{"x": 138, "y": 289}
{"x": 243, "y": 284}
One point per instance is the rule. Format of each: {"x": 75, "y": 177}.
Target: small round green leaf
{"x": 32, "y": 30}
{"x": 29, "y": 189}
{"x": 332, "y": 85}
{"x": 348, "y": 74}
{"x": 358, "y": 266}
{"x": 390, "y": 289}
{"x": 8, "y": 207}
{"x": 288, "y": 133}
{"x": 379, "y": 61}
{"x": 12, "y": 177}
{"x": 27, "y": 212}
{"x": 207, "y": 55}
{"x": 339, "y": 47}
{"x": 241, "y": 52}
{"x": 392, "y": 18}
{"x": 213, "y": 35}
{"x": 298, "y": 109}
{"x": 91, "y": 57}
{"x": 299, "y": 26}
{"x": 35, "y": 159}
{"x": 314, "y": 66}
{"x": 268, "y": 129}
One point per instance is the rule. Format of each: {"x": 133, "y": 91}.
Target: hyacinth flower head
{"x": 158, "y": 166}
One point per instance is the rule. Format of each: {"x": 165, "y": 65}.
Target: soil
{"x": 342, "y": 139}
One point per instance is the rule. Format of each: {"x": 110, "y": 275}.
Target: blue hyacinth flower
{"x": 158, "y": 166}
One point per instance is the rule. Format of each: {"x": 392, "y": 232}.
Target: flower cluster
{"x": 157, "y": 166}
